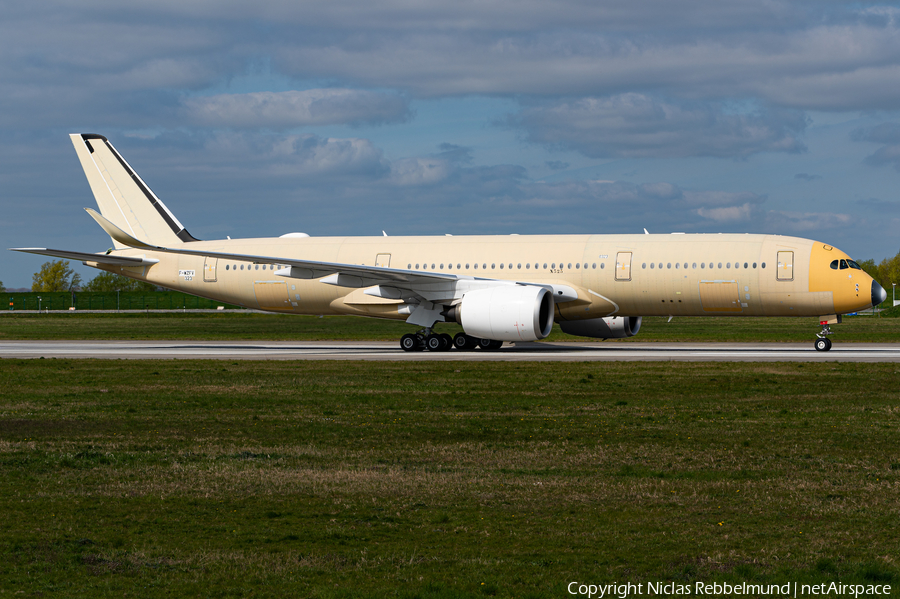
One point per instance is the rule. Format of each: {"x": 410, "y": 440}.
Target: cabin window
{"x": 694, "y": 265}
{"x": 492, "y": 267}
{"x": 501, "y": 266}
{"x": 577, "y": 265}
{"x": 652, "y": 265}
{"x": 242, "y": 267}
{"x": 409, "y": 267}
{"x": 720, "y": 265}
{"x": 668, "y": 265}
{"x": 226, "y": 267}
{"x": 745, "y": 265}
{"x": 594, "y": 266}
{"x": 264, "y": 266}
{"x": 518, "y": 266}
{"x": 553, "y": 266}
{"x": 527, "y": 266}
{"x": 763, "y": 265}
{"x": 417, "y": 267}
{"x": 603, "y": 265}
{"x": 644, "y": 265}
{"x": 676, "y": 266}
{"x": 754, "y": 265}
{"x": 569, "y": 266}
{"x": 484, "y": 266}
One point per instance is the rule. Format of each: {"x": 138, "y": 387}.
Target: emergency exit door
{"x": 383, "y": 260}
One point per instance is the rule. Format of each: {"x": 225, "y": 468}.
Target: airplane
{"x": 499, "y": 288}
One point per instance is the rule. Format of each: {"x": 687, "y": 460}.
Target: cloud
{"x": 803, "y": 222}
{"x": 638, "y": 126}
{"x": 556, "y": 165}
{"x": 279, "y": 110}
{"x": 884, "y": 133}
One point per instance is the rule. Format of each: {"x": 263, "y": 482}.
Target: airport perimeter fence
{"x": 131, "y": 300}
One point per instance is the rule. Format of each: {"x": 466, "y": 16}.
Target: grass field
{"x": 439, "y": 480}
{"x": 230, "y": 326}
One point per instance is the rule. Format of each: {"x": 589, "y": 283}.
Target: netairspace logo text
{"x": 714, "y": 589}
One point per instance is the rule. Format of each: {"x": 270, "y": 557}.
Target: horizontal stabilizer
{"x": 87, "y": 257}
{"x": 116, "y": 233}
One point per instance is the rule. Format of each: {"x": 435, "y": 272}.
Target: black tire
{"x": 409, "y": 342}
{"x": 448, "y": 342}
{"x": 494, "y": 345}
{"x": 463, "y": 342}
{"x": 829, "y": 344}
{"x": 434, "y": 343}
{"x": 823, "y": 344}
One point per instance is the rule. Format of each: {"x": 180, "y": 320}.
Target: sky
{"x": 349, "y": 117}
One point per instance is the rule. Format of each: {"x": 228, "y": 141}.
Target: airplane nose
{"x": 878, "y": 293}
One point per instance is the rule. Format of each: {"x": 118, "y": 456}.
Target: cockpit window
{"x": 854, "y": 265}
{"x": 834, "y": 265}
{"x": 844, "y": 264}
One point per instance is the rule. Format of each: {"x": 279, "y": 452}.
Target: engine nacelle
{"x": 506, "y": 313}
{"x": 610, "y": 327}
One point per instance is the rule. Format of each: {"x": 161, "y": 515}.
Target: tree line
{"x": 57, "y": 275}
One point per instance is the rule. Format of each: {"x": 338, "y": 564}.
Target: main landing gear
{"x": 823, "y": 343}
{"x": 431, "y": 341}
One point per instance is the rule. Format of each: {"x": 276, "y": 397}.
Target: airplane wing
{"x": 86, "y": 257}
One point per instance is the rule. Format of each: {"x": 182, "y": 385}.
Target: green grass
{"x": 231, "y": 326}
{"x": 439, "y": 480}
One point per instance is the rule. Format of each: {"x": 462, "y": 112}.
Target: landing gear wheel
{"x": 823, "y": 344}
{"x": 489, "y": 344}
{"x": 448, "y": 342}
{"x": 463, "y": 342}
{"x": 435, "y": 342}
{"x": 410, "y": 342}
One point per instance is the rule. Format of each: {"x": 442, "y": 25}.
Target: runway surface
{"x": 390, "y": 351}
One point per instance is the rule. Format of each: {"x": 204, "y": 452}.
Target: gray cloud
{"x": 885, "y": 133}
{"x": 297, "y": 108}
{"x": 109, "y": 62}
{"x": 635, "y": 125}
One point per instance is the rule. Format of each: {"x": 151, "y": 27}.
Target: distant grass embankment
{"x": 250, "y": 326}
{"x": 442, "y": 480}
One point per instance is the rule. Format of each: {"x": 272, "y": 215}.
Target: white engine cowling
{"x": 507, "y": 313}
{"x": 611, "y": 327}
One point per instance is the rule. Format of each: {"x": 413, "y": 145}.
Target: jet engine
{"x": 505, "y": 313}
{"x": 610, "y": 327}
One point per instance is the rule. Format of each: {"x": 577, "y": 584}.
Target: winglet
{"x": 116, "y": 233}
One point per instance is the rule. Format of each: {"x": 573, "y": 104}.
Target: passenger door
{"x": 785, "y": 269}
{"x": 623, "y": 266}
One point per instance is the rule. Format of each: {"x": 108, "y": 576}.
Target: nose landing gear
{"x": 823, "y": 343}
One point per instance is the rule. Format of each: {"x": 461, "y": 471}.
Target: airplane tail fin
{"x": 123, "y": 198}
